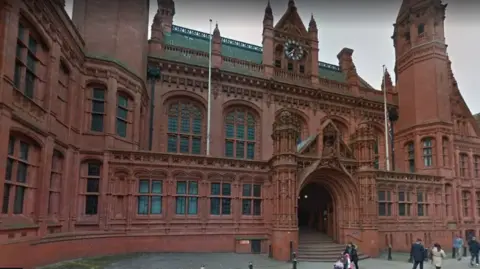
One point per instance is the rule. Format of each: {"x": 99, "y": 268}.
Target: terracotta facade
{"x": 103, "y": 157}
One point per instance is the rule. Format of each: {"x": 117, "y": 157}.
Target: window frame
{"x": 221, "y": 196}
{"x": 27, "y": 61}
{"x": 10, "y": 205}
{"x": 253, "y": 199}
{"x": 62, "y": 92}
{"x": 386, "y": 202}
{"x": 410, "y": 154}
{"x": 407, "y": 202}
{"x": 93, "y": 112}
{"x": 445, "y": 151}
{"x": 233, "y": 140}
{"x": 196, "y": 121}
{"x": 120, "y": 119}
{"x": 422, "y": 203}
{"x": 476, "y": 166}
{"x": 86, "y": 176}
{"x": 187, "y": 198}
{"x": 54, "y": 188}
{"x": 463, "y": 164}
{"x": 150, "y": 195}
{"x": 428, "y": 152}
{"x": 466, "y": 206}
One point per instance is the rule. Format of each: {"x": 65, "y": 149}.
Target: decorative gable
{"x": 291, "y": 23}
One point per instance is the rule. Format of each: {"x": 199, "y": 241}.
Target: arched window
{"x": 240, "y": 134}
{"x": 421, "y": 28}
{"x": 184, "y": 127}
{"x": 427, "y": 145}
{"x": 20, "y": 176}
{"x": 410, "y": 151}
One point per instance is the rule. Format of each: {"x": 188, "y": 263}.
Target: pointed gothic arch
{"x": 343, "y": 192}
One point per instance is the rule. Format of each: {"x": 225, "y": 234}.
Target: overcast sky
{"x": 364, "y": 26}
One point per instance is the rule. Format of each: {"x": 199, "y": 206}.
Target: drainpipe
{"x": 153, "y": 74}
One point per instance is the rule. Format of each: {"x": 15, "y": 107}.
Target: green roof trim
{"x": 196, "y": 40}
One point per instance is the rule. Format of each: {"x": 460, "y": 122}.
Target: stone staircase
{"x": 318, "y": 247}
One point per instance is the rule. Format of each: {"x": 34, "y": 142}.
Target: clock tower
{"x": 290, "y": 51}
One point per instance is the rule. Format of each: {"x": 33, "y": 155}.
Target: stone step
{"x": 315, "y": 247}
{"x": 319, "y": 258}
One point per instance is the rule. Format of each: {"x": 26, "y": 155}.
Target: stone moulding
{"x": 183, "y": 160}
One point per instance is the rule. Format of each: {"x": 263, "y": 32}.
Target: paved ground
{"x": 226, "y": 261}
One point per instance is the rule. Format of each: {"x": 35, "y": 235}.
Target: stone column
{"x": 286, "y": 130}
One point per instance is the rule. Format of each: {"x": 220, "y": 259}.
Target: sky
{"x": 365, "y": 26}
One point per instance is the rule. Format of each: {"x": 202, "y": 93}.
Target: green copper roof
{"x": 195, "y": 40}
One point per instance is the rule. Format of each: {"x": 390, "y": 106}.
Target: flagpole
{"x": 209, "y": 99}
{"x": 387, "y": 157}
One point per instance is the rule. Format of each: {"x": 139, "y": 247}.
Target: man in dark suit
{"x": 418, "y": 254}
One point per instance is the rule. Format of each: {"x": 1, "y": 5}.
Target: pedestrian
{"x": 457, "y": 247}
{"x": 348, "y": 249}
{"x": 474, "y": 248}
{"x": 437, "y": 256}
{"x": 417, "y": 252}
{"x": 354, "y": 253}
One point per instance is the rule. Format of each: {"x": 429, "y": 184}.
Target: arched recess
{"x": 379, "y": 146}
{"x": 340, "y": 124}
{"x": 303, "y": 118}
{"x": 344, "y": 195}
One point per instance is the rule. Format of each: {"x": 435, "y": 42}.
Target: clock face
{"x": 293, "y": 50}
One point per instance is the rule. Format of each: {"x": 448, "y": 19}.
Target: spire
{"x": 387, "y": 81}
{"x": 216, "y": 31}
{"x": 312, "y": 26}
{"x": 291, "y": 4}
{"x": 268, "y": 13}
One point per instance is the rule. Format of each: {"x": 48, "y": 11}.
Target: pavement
{"x": 228, "y": 261}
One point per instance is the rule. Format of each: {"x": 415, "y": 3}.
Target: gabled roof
{"x": 196, "y": 40}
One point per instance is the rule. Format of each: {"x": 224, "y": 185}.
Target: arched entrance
{"x": 315, "y": 209}
{"x": 328, "y": 202}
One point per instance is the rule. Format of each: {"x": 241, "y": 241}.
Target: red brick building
{"x": 104, "y": 157}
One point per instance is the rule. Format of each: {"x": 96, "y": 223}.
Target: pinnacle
{"x": 291, "y": 3}
{"x": 312, "y": 26}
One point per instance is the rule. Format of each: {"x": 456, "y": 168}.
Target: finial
{"x": 312, "y": 26}
{"x": 216, "y": 31}
{"x": 268, "y": 13}
{"x": 291, "y": 3}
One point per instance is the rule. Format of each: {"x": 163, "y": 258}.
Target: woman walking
{"x": 437, "y": 256}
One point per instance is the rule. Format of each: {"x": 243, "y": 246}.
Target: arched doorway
{"x": 335, "y": 206}
{"x": 315, "y": 209}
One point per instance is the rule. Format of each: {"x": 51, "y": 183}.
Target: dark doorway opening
{"x": 256, "y": 246}
{"x": 315, "y": 209}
